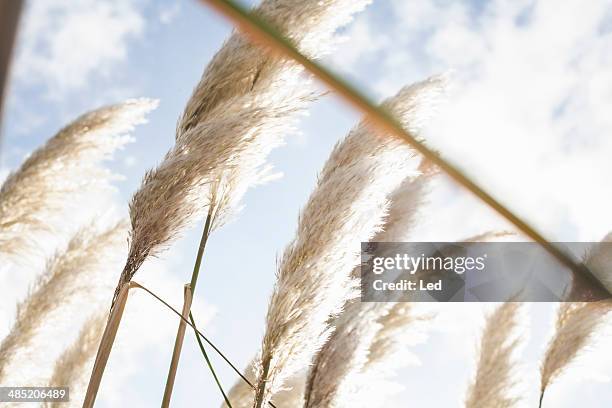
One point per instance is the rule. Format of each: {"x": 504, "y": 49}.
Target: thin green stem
{"x": 205, "y": 354}
{"x": 205, "y": 234}
{"x": 210, "y": 343}
{"x": 180, "y": 334}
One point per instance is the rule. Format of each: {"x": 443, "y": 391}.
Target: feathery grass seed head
{"x": 493, "y": 381}
{"x": 32, "y": 197}
{"x": 348, "y": 206}
{"x": 70, "y": 279}
{"x": 244, "y": 105}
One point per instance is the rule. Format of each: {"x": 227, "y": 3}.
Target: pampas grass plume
{"x": 70, "y": 278}
{"x": 69, "y": 163}
{"x": 577, "y": 322}
{"x": 73, "y": 366}
{"x": 244, "y": 105}
{"x": 493, "y": 380}
{"x": 348, "y": 206}
{"x": 337, "y": 373}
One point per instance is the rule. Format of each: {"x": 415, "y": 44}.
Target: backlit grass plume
{"x": 355, "y": 366}
{"x": 244, "y": 105}
{"x": 56, "y": 174}
{"x": 577, "y": 322}
{"x": 73, "y": 366}
{"x": 348, "y": 206}
{"x": 493, "y": 381}
{"x": 338, "y": 376}
{"x": 576, "y": 326}
{"x": 65, "y": 288}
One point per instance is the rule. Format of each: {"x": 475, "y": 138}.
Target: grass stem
{"x": 260, "y": 391}
{"x": 106, "y": 345}
{"x": 178, "y": 345}
{"x": 180, "y": 333}
{"x": 205, "y": 354}
{"x": 210, "y": 343}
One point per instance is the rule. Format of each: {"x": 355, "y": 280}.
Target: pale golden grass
{"x": 356, "y": 367}
{"x": 387, "y": 341}
{"x": 578, "y": 322}
{"x": 575, "y": 328}
{"x": 348, "y": 206}
{"x": 241, "y": 68}
{"x": 243, "y": 107}
{"x": 338, "y": 375}
{"x": 493, "y": 381}
{"x": 340, "y": 361}
{"x": 68, "y": 281}
{"x": 72, "y": 368}
{"x": 53, "y": 177}
{"x": 245, "y": 103}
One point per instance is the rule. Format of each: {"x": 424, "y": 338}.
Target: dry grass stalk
{"x": 187, "y": 298}
{"x": 493, "y": 382}
{"x": 105, "y": 347}
{"x": 69, "y": 278}
{"x": 337, "y": 373}
{"x": 73, "y": 366}
{"x": 35, "y": 195}
{"x": 347, "y": 206}
{"x": 244, "y": 105}
{"x": 492, "y": 236}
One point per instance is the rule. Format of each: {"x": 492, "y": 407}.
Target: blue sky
{"x": 527, "y": 115}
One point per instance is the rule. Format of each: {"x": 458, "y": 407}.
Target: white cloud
{"x": 130, "y": 161}
{"x": 528, "y": 114}
{"x": 64, "y": 44}
{"x": 370, "y": 41}
{"x": 168, "y": 14}
{"x": 528, "y": 117}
